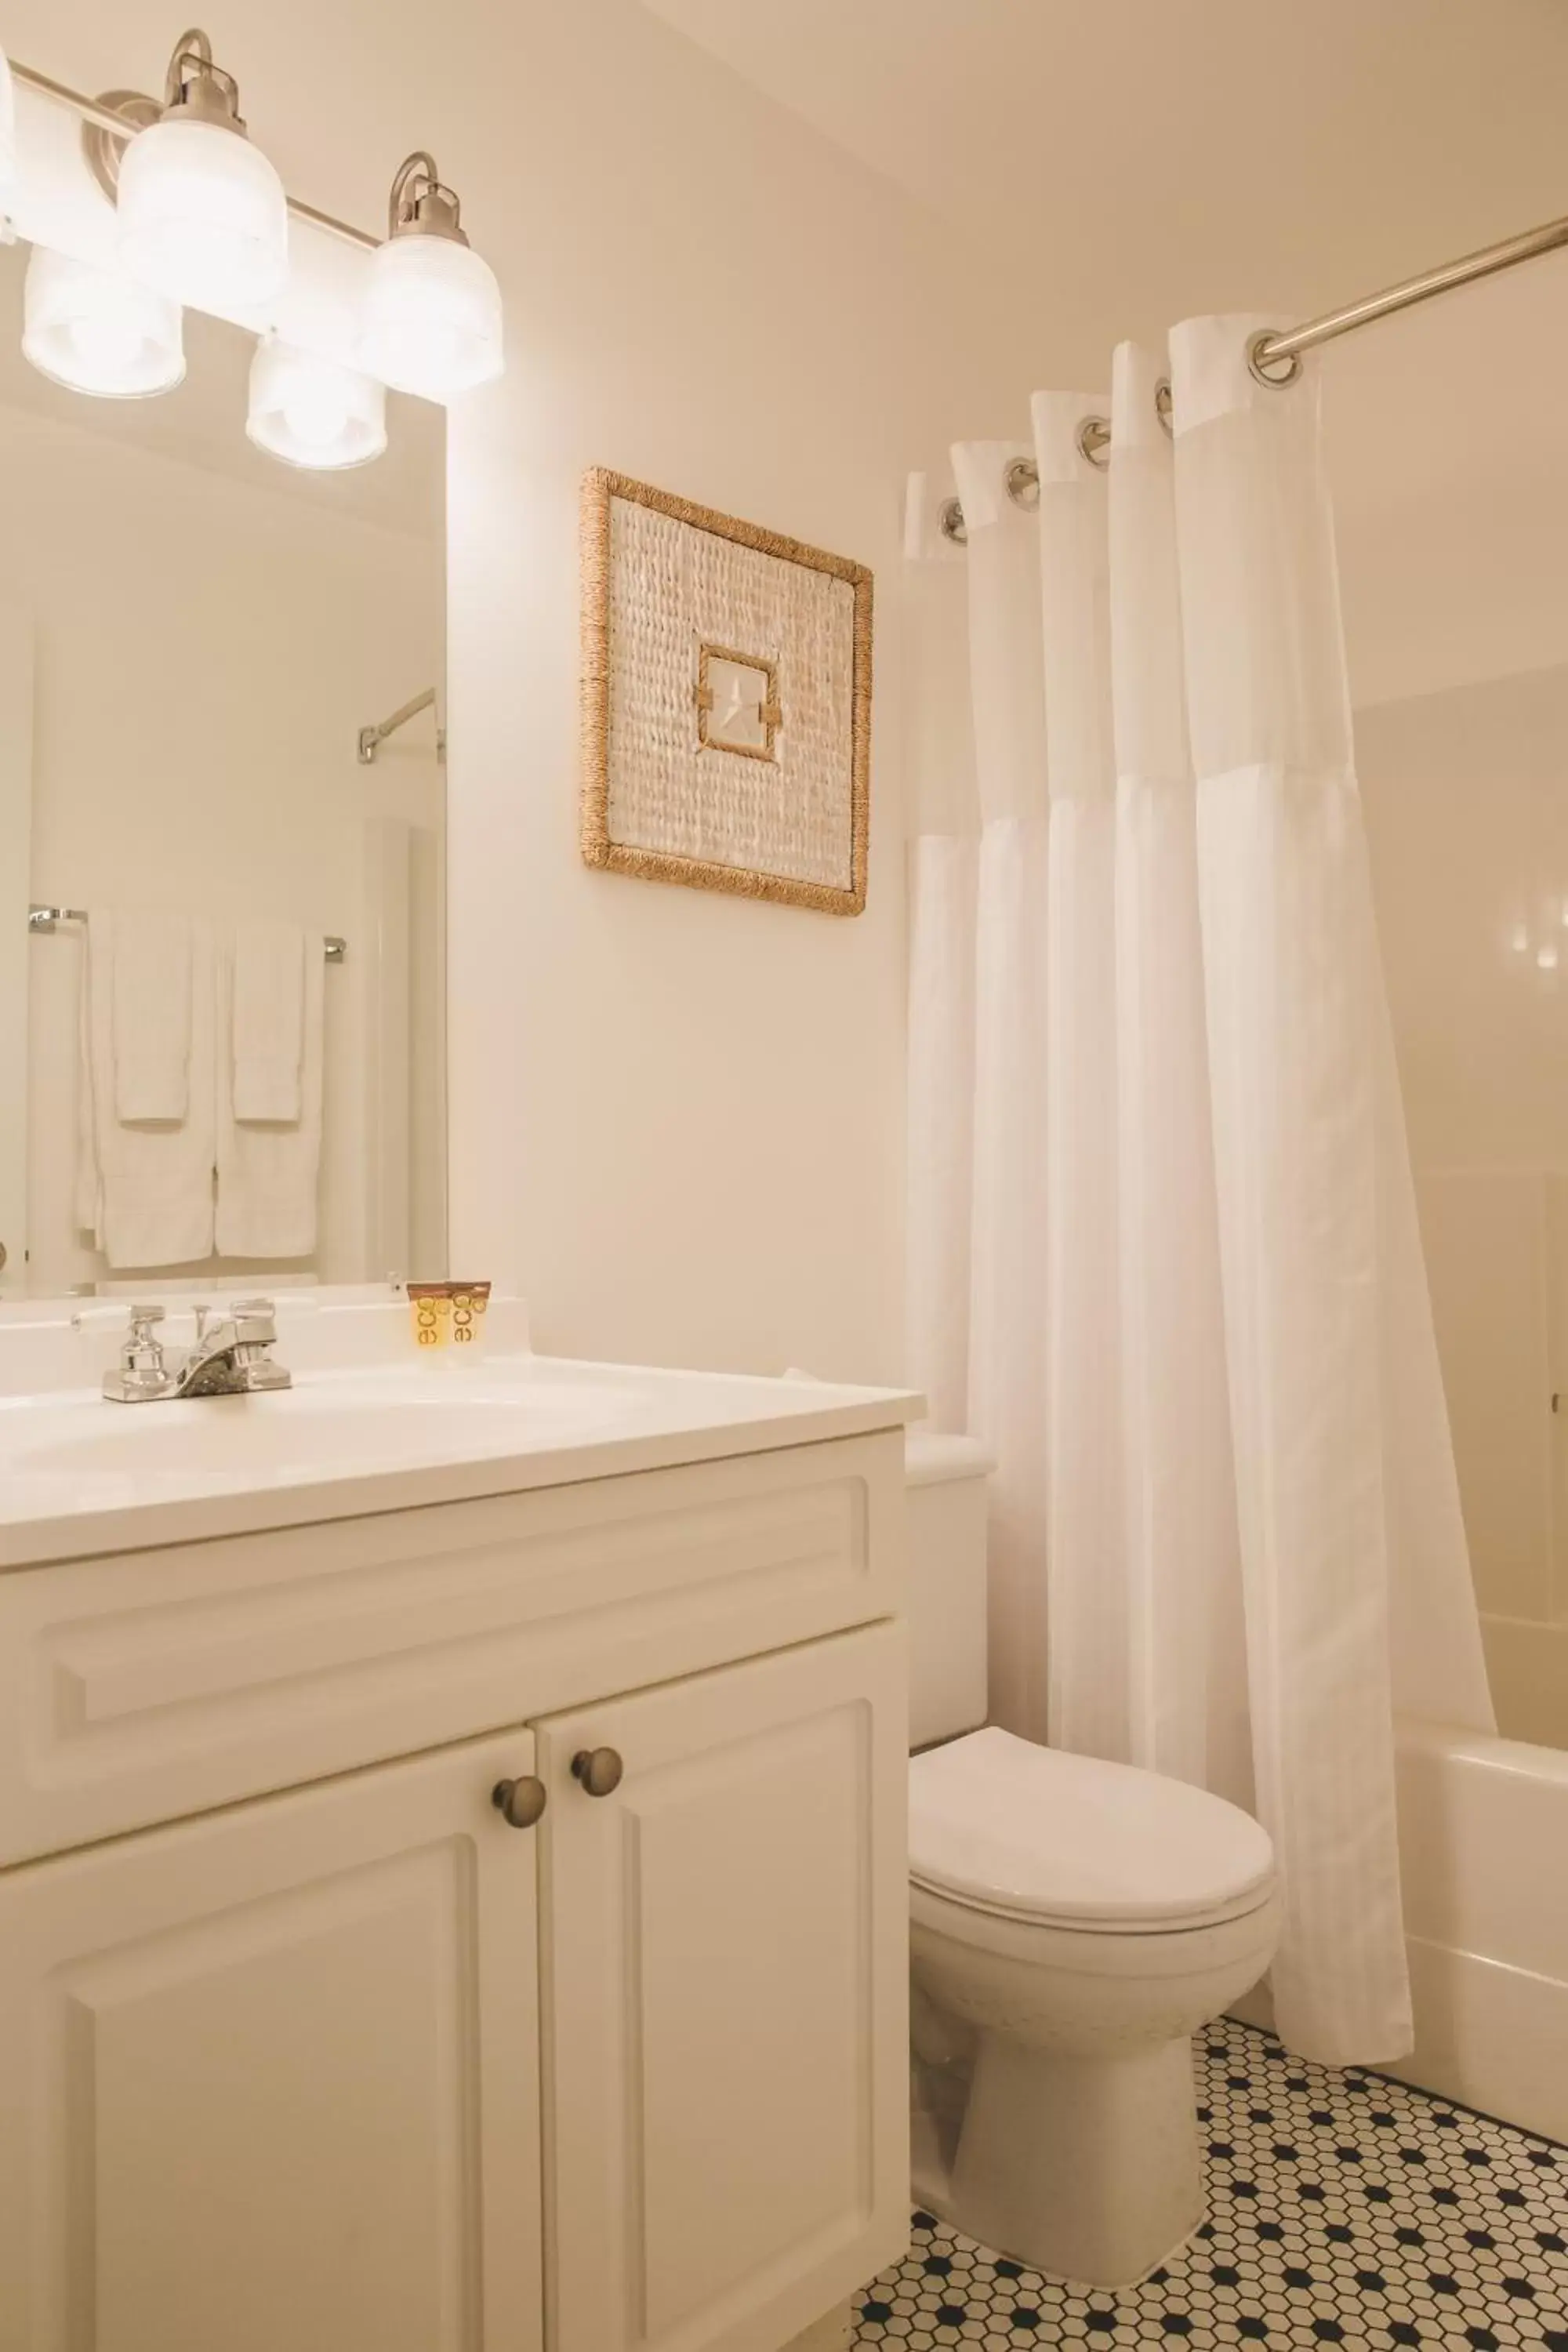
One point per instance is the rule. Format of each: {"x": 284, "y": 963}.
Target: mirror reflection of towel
{"x": 145, "y": 1187}
{"x": 150, "y": 983}
{"x": 269, "y": 988}
{"x": 268, "y": 1170}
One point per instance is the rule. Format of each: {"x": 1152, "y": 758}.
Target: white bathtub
{"x": 1484, "y": 1853}
{"x": 1484, "y": 1850}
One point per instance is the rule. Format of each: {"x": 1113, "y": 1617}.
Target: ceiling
{"x": 1108, "y": 170}
{"x": 1130, "y": 163}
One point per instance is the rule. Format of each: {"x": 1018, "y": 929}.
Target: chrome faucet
{"x": 230, "y": 1357}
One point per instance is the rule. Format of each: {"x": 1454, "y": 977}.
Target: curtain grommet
{"x": 1023, "y": 480}
{"x": 1259, "y": 363}
{"x": 1094, "y": 442}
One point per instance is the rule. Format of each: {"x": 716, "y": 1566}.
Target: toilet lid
{"x": 1034, "y": 1833}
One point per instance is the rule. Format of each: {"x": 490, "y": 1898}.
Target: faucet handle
{"x": 141, "y": 1351}
{"x": 255, "y": 1321}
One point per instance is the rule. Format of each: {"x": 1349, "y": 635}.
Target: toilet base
{"x": 1087, "y": 2169}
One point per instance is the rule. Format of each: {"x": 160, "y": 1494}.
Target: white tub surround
{"x": 529, "y": 1729}
{"x": 1483, "y": 1823}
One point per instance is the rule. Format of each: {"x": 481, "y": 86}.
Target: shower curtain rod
{"x": 375, "y": 736}
{"x": 1267, "y": 350}
{"x": 1282, "y": 349}
{"x": 371, "y": 738}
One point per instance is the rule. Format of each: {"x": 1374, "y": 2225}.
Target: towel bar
{"x": 49, "y": 919}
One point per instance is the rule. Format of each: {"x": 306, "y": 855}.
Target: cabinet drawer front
{"x": 725, "y": 1948}
{"x": 139, "y": 1689}
{"x": 269, "y": 2079}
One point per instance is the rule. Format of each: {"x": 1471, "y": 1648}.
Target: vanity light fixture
{"x": 433, "y": 309}
{"x": 99, "y": 331}
{"x": 203, "y": 215}
{"x": 311, "y": 412}
{"x": 203, "y": 220}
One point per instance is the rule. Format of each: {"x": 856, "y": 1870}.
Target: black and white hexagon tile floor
{"x": 1343, "y": 2208}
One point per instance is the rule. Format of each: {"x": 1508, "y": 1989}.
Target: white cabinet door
{"x": 725, "y": 1963}
{"x": 268, "y": 2079}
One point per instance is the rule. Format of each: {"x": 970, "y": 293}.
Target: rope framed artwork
{"x": 726, "y": 702}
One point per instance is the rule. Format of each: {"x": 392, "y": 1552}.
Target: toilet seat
{"x": 1002, "y": 1826}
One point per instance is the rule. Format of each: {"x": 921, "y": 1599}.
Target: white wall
{"x": 206, "y": 649}
{"x": 698, "y": 1101}
{"x": 677, "y": 1118}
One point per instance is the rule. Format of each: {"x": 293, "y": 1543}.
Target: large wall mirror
{"x": 222, "y": 884}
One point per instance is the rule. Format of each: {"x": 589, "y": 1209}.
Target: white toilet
{"x": 1072, "y": 1923}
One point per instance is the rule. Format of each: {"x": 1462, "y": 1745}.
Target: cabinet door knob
{"x": 599, "y": 1769}
{"x": 519, "y": 1802}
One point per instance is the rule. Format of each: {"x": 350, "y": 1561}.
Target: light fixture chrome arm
{"x": 193, "y": 47}
{"x": 421, "y": 204}
{"x": 95, "y": 110}
{"x": 403, "y": 203}
{"x": 120, "y": 114}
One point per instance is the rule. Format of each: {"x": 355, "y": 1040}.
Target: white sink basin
{"x": 79, "y": 1474}
{"x": 80, "y": 1452}
{"x": 297, "y": 1432}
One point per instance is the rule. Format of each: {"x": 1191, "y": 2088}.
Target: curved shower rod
{"x": 371, "y": 738}
{"x": 1275, "y": 356}
{"x": 1267, "y": 350}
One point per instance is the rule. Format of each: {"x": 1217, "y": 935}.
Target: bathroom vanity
{"x": 452, "y": 1857}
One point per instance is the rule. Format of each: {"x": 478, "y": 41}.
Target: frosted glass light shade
{"x": 311, "y": 412}
{"x": 7, "y": 132}
{"x": 202, "y": 215}
{"x": 433, "y": 317}
{"x": 99, "y": 331}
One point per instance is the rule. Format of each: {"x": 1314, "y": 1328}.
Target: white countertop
{"x": 79, "y": 1476}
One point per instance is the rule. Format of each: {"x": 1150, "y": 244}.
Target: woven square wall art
{"x": 726, "y": 702}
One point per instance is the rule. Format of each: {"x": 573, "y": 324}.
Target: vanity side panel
{"x": 139, "y": 1689}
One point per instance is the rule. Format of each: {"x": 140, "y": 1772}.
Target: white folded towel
{"x": 145, "y": 1190}
{"x": 145, "y": 962}
{"x": 269, "y": 984}
{"x": 268, "y": 1172}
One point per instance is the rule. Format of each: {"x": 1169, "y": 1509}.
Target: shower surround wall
{"x": 1467, "y": 800}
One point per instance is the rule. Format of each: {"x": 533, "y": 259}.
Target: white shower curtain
{"x": 1164, "y": 1249}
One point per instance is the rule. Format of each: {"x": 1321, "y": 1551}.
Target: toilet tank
{"x": 947, "y": 1481}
